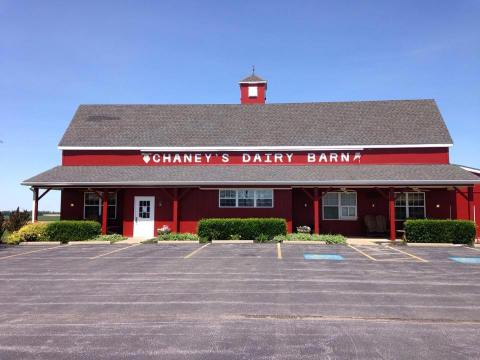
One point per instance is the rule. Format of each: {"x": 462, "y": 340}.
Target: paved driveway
{"x": 239, "y": 301}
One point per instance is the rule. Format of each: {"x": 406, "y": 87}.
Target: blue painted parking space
{"x": 466, "y": 260}
{"x": 333, "y": 257}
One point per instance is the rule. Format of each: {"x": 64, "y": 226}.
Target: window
{"x": 409, "y": 205}
{"x": 91, "y": 209}
{"x": 340, "y": 206}
{"x": 245, "y": 198}
{"x": 252, "y": 91}
{"x": 92, "y": 206}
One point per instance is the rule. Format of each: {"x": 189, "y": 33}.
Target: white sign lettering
{"x": 252, "y": 158}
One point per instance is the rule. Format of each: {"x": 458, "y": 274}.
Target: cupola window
{"x": 252, "y": 91}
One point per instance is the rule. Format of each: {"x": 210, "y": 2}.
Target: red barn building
{"x": 335, "y": 166}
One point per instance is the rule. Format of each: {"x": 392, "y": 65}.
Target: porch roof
{"x": 291, "y": 175}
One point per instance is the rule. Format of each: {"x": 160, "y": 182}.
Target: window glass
{"x": 112, "y": 206}
{"x": 349, "y": 198}
{"x": 246, "y": 198}
{"x": 330, "y": 198}
{"x": 91, "y": 212}
{"x": 91, "y": 199}
{"x": 330, "y": 212}
{"x": 416, "y": 199}
{"x": 416, "y": 212}
{"x": 144, "y": 209}
{"x": 401, "y": 213}
{"x": 228, "y": 198}
{"x": 264, "y": 198}
{"x": 400, "y": 199}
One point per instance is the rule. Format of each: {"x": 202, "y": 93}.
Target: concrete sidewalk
{"x": 370, "y": 241}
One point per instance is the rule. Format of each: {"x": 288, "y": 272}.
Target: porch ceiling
{"x": 339, "y": 175}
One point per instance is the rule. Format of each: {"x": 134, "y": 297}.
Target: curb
{"x": 232, "y": 241}
{"x": 91, "y": 242}
{"x": 177, "y": 242}
{"x": 433, "y": 245}
{"x": 304, "y": 242}
{"x": 38, "y": 243}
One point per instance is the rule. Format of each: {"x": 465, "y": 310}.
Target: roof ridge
{"x": 269, "y": 104}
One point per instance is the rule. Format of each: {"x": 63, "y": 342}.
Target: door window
{"x": 144, "y": 209}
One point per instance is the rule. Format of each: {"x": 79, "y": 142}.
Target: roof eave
{"x": 252, "y": 82}
{"x": 255, "y": 182}
{"x": 252, "y": 148}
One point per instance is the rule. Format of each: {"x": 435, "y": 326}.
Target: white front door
{"x": 144, "y": 212}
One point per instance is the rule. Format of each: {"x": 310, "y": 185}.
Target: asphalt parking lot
{"x": 238, "y": 301}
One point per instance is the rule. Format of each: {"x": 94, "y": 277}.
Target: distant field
{"x": 50, "y": 217}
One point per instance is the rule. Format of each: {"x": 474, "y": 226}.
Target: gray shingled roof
{"x": 345, "y": 175}
{"x": 303, "y": 124}
{"x": 252, "y": 79}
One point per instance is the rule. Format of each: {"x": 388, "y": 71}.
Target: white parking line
{"x": 114, "y": 251}
{"x": 31, "y": 252}
{"x": 279, "y": 251}
{"x": 195, "y": 251}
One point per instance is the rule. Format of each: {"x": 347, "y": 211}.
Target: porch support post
{"x": 391, "y": 206}
{"x": 35, "y": 205}
{"x": 104, "y": 211}
{"x": 470, "y": 202}
{"x": 175, "y": 211}
{"x": 316, "y": 212}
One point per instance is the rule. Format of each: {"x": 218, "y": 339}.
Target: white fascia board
{"x": 271, "y": 183}
{"x": 469, "y": 169}
{"x": 252, "y": 82}
{"x": 252, "y": 148}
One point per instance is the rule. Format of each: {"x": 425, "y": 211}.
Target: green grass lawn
{"x": 52, "y": 217}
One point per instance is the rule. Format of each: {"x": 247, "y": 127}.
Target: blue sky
{"x": 55, "y": 55}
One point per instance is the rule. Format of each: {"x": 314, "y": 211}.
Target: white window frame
{"x": 254, "y": 199}
{"x": 253, "y": 91}
{"x": 407, "y": 215}
{"x": 340, "y": 206}
{"x": 100, "y": 203}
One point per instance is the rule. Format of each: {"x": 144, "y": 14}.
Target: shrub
{"x": 31, "y": 232}
{"x": 334, "y": 239}
{"x": 178, "y": 237}
{"x": 440, "y": 231}
{"x": 113, "y": 238}
{"x": 245, "y": 228}
{"x": 328, "y": 238}
{"x": 11, "y": 238}
{"x": 17, "y": 219}
{"x": 263, "y": 238}
{"x": 2, "y": 225}
{"x": 72, "y": 230}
